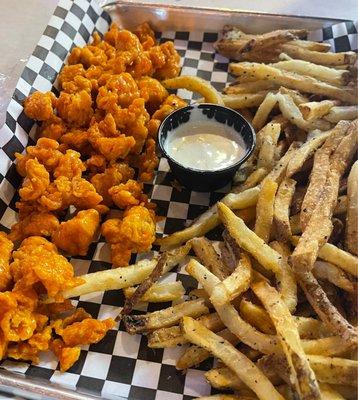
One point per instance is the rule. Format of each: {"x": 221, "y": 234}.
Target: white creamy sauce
{"x": 205, "y": 145}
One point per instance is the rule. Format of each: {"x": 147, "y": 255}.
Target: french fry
{"x": 206, "y": 253}
{"x": 328, "y": 346}
{"x": 264, "y": 254}
{"x": 264, "y": 110}
{"x": 235, "y": 284}
{"x": 303, "y": 377}
{"x": 316, "y": 109}
{"x": 351, "y": 236}
{"x": 297, "y": 97}
{"x": 306, "y": 151}
{"x": 302, "y": 83}
{"x": 195, "y": 84}
{"x": 210, "y": 219}
{"x": 173, "y": 335}
{"x": 159, "y": 292}
{"x": 329, "y": 393}
{"x": 224, "y": 378}
{"x": 267, "y": 150}
{"x": 326, "y": 311}
{"x": 264, "y": 210}
{"x": 333, "y": 274}
{"x": 320, "y": 170}
{"x": 252, "y": 180}
{"x": 250, "y": 87}
{"x": 309, "y": 45}
{"x": 194, "y": 355}
{"x": 282, "y": 205}
{"x": 311, "y": 328}
{"x": 230, "y": 317}
{"x": 317, "y": 57}
{"x": 320, "y": 72}
{"x": 257, "y": 317}
{"x": 235, "y": 360}
{"x": 163, "y": 318}
{"x": 244, "y": 100}
{"x": 319, "y": 226}
{"x": 339, "y": 113}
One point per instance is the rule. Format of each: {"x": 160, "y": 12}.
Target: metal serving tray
{"x": 161, "y": 18}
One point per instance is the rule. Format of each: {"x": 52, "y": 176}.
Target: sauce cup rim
{"x": 247, "y": 154}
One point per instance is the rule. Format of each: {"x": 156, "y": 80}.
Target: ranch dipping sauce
{"x": 205, "y": 144}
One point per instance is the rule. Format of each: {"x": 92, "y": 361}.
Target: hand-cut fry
{"x": 230, "y": 317}
{"x": 327, "y": 346}
{"x": 311, "y": 328}
{"x": 329, "y": 393}
{"x": 210, "y": 219}
{"x": 340, "y": 113}
{"x": 306, "y": 84}
{"x": 252, "y": 180}
{"x": 173, "y": 335}
{"x": 207, "y": 254}
{"x": 334, "y": 370}
{"x": 264, "y": 210}
{"x": 264, "y": 110}
{"x": 256, "y": 316}
{"x": 166, "y": 317}
{"x": 195, "y": 84}
{"x": 317, "y": 57}
{"x": 351, "y": 238}
{"x": 319, "y": 226}
{"x": 143, "y": 288}
{"x": 309, "y": 45}
{"x": 320, "y": 170}
{"x": 249, "y": 87}
{"x": 267, "y": 150}
{"x": 282, "y": 205}
{"x": 320, "y": 72}
{"x": 297, "y": 97}
{"x": 316, "y": 109}
{"x": 224, "y": 378}
{"x": 235, "y": 360}
{"x": 159, "y": 292}
{"x": 306, "y": 151}
{"x": 244, "y": 100}
{"x": 235, "y": 284}
{"x": 264, "y": 254}
{"x": 194, "y": 355}
{"x": 292, "y": 113}
{"x": 325, "y": 309}
{"x": 303, "y": 377}
{"x": 328, "y": 271}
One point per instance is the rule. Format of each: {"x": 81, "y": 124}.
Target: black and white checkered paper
{"x": 121, "y": 365}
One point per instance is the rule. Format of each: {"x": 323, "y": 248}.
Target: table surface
{"x": 23, "y": 22}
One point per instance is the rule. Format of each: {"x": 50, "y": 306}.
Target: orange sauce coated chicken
{"x": 96, "y": 147}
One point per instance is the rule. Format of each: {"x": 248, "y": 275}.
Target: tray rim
{"x": 16, "y": 381}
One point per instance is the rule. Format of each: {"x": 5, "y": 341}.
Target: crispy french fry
{"x": 320, "y": 170}
{"x": 316, "y": 109}
{"x": 235, "y": 284}
{"x": 302, "y": 83}
{"x": 311, "y": 328}
{"x": 162, "y": 318}
{"x": 257, "y": 317}
{"x": 297, "y": 97}
{"x": 224, "y": 378}
{"x": 351, "y": 236}
{"x": 252, "y": 180}
{"x": 339, "y": 113}
{"x": 319, "y": 226}
{"x": 194, "y": 355}
{"x": 303, "y": 377}
{"x": 159, "y": 292}
{"x": 320, "y": 72}
{"x": 309, "y": 45}
{"x": 306, "y": 151}
{"x": 206, "y": 253}
{"x": 173, "y": 336}
{"x": 328, "y": 346}
{"x": 244, "y": 100}
{"x": 264, "y": 110}
{"x": 209, "y": 220}
{"x": 325, "y": 309}
{"x": 333, "y": 274}
{"x": 264, "y": 210}
{"x": 264, "y": 254}
{"x": 195, "y": 84}
{"x": 250, "y": 87}
{"x": 230, "y": 317}
{"x": 267, "y": 150}
{"x": 239, "y": 363}
{"x": 317, "y": 57}
{"x": 282, "y": 205}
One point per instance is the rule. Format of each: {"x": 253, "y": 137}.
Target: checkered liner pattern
{"x": 120, "y": 366}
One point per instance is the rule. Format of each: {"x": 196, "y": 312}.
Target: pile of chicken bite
{"x": 96, "y": 147}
